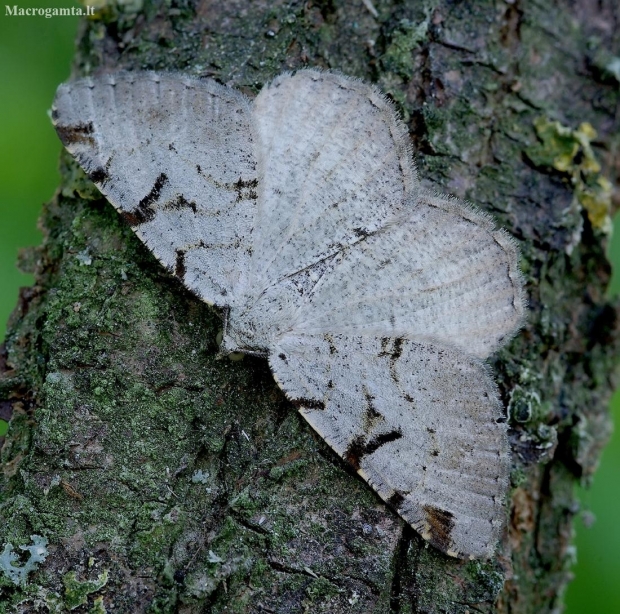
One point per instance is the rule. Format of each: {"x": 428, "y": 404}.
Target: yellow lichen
{"x": 570, "y": 151}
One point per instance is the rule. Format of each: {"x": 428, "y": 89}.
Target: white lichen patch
{"x": 9, "y": 560}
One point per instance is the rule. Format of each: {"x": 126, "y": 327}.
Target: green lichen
{"x": 398, "y": 57}
{"x": 98, "y": 607}
{"x": 77, "y": 592}
{"x": 570, "y": 152}
{"x": 318, "y": 592}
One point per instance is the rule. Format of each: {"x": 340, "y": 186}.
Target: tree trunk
{"x": 166, "y": 480}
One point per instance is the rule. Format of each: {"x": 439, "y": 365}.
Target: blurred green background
{"x": 35, "y": 56}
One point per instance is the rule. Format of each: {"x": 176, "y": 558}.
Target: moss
{"x": 77, "y": 592}
{"x": 98, "y": 606}
{"x": 317, "y": 592}
{"x": 404, "y": 39}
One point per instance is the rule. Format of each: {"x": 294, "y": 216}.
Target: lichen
{"x": 570, "y": 152}
{"x": 77, "y": 592}
{"x": 19, "y": 574}
{"x": 98, "y": 607}
{"x": 398, "y": 56}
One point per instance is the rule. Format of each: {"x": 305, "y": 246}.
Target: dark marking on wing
{"x": 355, "y": 451}
{"x": 308, "y": 403}
{"x": 179, "y": 268}
{"x": 359, "y": 447}
{"x": 441, "y": 524}
{"x": 330, "y": 341}
{"x": 78, "y": 133}
{"x": 361, "y": 232}
{"x": 153, "y": 195}
{"x": 99, "y": 175}
{"x": 282, "y": 357}
{"x": 144, "y": 212}
{"x": 180, "y": 202}
{"x": 395, "y": 352}
{"x": 245, "y": 189}
{"x": 397, "y": 499}
{"x": 380, "y": 440}
{"x": 398, "y": 348}
{"x": 136, "y": 217}
{"x": 372, "y": 416}
{"x": 249, "y": 187}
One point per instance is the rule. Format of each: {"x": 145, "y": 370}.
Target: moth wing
{"x": 175, "y": 156}
{"x": 334, "y": 163}
{"x": 441, "y": 273}
{"x": 422, "y": 424}
{"x": 346, "y": 241}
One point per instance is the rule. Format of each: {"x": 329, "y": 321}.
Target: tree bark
{"x": 166, "y": 480}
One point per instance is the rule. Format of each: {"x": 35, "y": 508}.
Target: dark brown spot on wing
{"x": 308, "y": 403}
{"x": 246, "y": 190}
{"x": 393, "y": 353}
{"x": 330, "y": 341}
{"x": 355, "y": 451}
{"x": 180, "y": 202}
{"x": 145, "y": 212}
{"x": 358, "y": 447}
{"x": 397, "y": 499}
{"x": 78, "y": 133}
{"x": 441, "y": 524}
{"x": 153, "y": 195}
{"x": 179, "y": 268}
{"x": 380, "y": 440}
{"x": 99, "y": 175}
{"x": 372, "y": 416}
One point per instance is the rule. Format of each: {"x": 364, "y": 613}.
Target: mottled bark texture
{"x": 166, "y": 480}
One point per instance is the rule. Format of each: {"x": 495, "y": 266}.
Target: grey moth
{"x": 300, "y": 215}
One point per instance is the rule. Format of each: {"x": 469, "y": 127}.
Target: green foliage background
{"x": 35, "y": 56}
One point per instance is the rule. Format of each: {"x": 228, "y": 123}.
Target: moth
{"x": 376, "y": 302}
